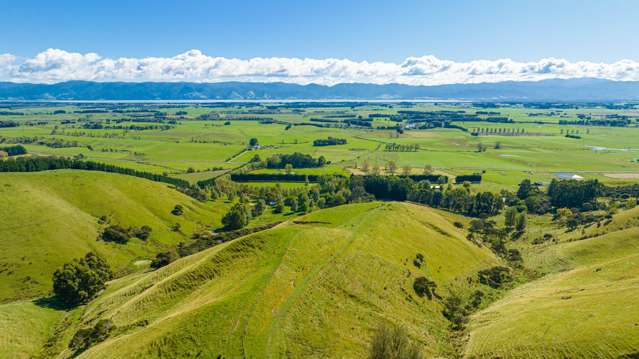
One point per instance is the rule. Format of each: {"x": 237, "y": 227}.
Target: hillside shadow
{"x": 51, "y": 302}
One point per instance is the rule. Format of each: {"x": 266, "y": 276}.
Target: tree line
{"x": 16, "y": 150}
{"x": 37, "y": 164}
{"x": 330, "y": 141}
{"x": 296, "y": 160}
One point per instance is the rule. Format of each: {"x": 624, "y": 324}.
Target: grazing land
{"x": 294, "y": 229}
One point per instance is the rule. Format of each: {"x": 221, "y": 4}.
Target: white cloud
{"x": 54, "y": 65}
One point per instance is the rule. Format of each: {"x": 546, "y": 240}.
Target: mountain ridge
{"x": 560, "y": 90}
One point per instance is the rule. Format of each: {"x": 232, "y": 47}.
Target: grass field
{"x": 317, "y": 284}
{"x": 50, "y": 218}
{"x": 584, "y": 308}
{"x": 292, "y": 290}
{"x": 210, "y": 147}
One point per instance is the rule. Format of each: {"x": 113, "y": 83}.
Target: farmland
{"x": 202, "y": 142}
{"x": 294, "y": 229}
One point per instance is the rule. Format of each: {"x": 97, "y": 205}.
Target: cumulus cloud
{"x": 55, "y": 65}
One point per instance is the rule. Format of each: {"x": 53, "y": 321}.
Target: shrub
{"x": 163, "y": 258}
{"x": 142, "y": 233}
{"x": 178, "y": 210}
{"x": 425, "y": 287}
{"x": 115, "y": 233}
{"x": 85, "y": 338}
{"x": 455, "y": 311}
{"x": 419, "y": 260}
{"x": 391, "y": 341}
{"x": 79, "y": 281}
{"x": 495, "y": 277}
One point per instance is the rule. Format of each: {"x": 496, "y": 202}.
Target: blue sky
{"x": 404, "y": 41}
{"x": 359, "y": 30}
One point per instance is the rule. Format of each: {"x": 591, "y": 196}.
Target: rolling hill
{"x": 586, "y": 307}
{"x": 315, "y": 286}
{"x": 49, "y": 218}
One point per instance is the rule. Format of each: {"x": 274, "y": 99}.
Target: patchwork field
{"x": 249, "y": 258}
{"x": 193, "y": 147}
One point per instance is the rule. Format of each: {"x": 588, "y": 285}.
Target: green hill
{"x": 586, "y": 308}
{"x": 49, "y": 218}
{"x": 314, "y": 287}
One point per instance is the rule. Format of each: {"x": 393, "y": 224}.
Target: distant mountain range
{"x": 594, "y": 90}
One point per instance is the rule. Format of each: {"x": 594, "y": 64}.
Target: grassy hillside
{"x": 25, "y": 327}
{"x": 586, "y": 308}
{"x": 49, "y": 218}
{"x": 314, "y": 287}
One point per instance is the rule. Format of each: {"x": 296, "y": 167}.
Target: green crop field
{"x": 195, "y": 149}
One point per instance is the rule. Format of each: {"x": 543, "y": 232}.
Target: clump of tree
{"x": 460, "y": 200}
{"x": 425, "y": 287}
{"x": 164, "y": 258}
{"x": 237, "y": 217}
{"x": 495, "y": 277}
{"x": 16, "y": 150}
{"x": 118, "y": 234}
{"x": 142, "y": 233}
{"x": 87, "y": 337}
{"x": 296, "y": 160}
{"x": 455, "y": 311}
{"x": 392, "y": 341}
{"x": 574, "y": 194}
{"x": 115, "y": 233}
{"x": 330, "y": 141}
{"x": 81, "y": 280}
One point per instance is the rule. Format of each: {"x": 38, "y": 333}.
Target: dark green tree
{"x": 81, "y": 280}
{"x": 237, "y": 217}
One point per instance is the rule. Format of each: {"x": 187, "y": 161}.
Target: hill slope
{"x": 586, "y": 308}
{"x": 313, "y": 287}
{"x": 49, "y": 218}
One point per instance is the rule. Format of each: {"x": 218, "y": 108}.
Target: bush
{"x": 79, "y": 281}
{"x": 419, "y": 260}
{"x": 425, "y": 287}
{"x": 455, "y": 311}
{"x": 115, "y": 233}
{"x": 142, "y": 233}
{"x": 495, "y": 277}
{"x": 163, "y": 258}
{"x": 393, "y": 342}
{"x": 178, "y": 210}
{"x": 85, "y": 338}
